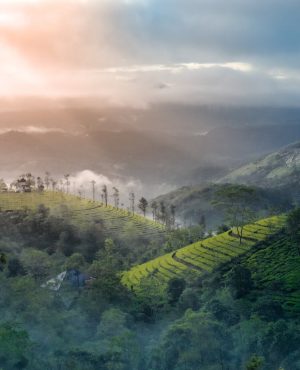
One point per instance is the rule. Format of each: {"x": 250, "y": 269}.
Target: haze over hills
{"x": 276, "y": 177}
{"x": 161, "y": 147}
{"x": 280, "y": 169}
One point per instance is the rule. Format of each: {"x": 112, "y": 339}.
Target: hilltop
{"x": 280, "y": 169}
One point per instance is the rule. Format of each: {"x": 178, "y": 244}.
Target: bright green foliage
{"x": 203, "y": 256}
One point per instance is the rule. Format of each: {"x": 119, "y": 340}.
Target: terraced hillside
{"x": 276, "y": 269}
{"x": 203, "y": 256}
{"x": 83, "y": 213}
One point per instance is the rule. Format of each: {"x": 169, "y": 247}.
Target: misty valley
{"x": 94, "y": 276}
{"x": 149, "y": 185}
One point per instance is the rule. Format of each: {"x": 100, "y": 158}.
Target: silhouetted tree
{"x": 143, "y": 205}
{"x": 104, "y": 195}
{"x": 53, "y": 184}
{"x": 154, "y": 207}
{"x": 132, "y": 202}
{"x": 163, "y": 212}
{"x": 40, "y": 184}
{"x": 67, "y": 177}
{"x": 3, "y": 186}
{"x": 93, "y": 182}
{"x": 116, "y": 196}
{"x": 173, "y": 215}
{"x": 47, "y": 179}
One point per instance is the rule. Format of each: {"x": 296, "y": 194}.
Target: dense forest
{"x": 229, "y": 319}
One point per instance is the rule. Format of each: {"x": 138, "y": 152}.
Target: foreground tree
{"x": 239, "y": 203}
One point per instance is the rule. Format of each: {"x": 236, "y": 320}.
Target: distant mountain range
{"x": 276, "y": 176}
{"x": 279, "y": 169}
{"x": 154, "y": 146}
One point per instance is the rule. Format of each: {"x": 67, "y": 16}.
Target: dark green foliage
{"x": 15, "y": 267}
{"x": 230, "y": 319}
{"x": 14, "y": 347}
{"x": 175, "y": 288}
{"x": 255, "y": 363}
{"x": 240, "y": 281}
{"x": 293, "y": 226}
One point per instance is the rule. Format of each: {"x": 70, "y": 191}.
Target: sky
{"x": 139, "y": 52}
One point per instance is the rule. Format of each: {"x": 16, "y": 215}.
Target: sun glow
{"x": 12, "y": 19}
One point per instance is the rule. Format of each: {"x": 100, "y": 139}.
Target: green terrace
{"x": 203, "y": 256}
{"x": 276, "y": 268}
{"x": 84, "y": 212}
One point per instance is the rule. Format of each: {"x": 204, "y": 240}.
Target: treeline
{"x": 27, "y": 183}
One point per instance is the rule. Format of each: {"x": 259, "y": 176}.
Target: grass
{"x": 83, "y": 213}
{"x": 204, "y": 256}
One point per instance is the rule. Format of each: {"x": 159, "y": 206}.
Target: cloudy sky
{"x": 137, "y": 52}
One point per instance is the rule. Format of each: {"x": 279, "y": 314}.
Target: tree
{"x": 36, "y": 263}
{"x": 3, "y": 186}
{"x": 154, "y": 207}
{"x": 116, "y": 196}
{"x": 255, "y": 363}
{"x": 240, "y": 280}
{"x": 104, "y": 195}
{"x": 93, "y": 182}
{"x": 238, "y": 202}
{"x": 132, "y": 202}
{"x": 67, "y": 181}
{"x": 53, "y": 184}
{"x": 47, "y": 179}
{"x": 163, "y": 212}
{"x": 195, "y": 341}
{"x": 30, "y": 182}
{"x": 75, "y": 261}
{"x": 15, "y": 267}
{"x": 3, "y": 260}
{"x": 173, "y": 215}
{"x": 14, "y": 347}
{"x": 40, "y": 184}
{"x": 175, "y": 288}
{"x": 143, "y": 205}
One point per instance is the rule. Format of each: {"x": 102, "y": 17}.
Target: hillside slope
{"x": 83, "y": 213}
{"x": 277, "y": 170}
{"x": 204, "y": 256}
{"x": 194, "y": 202}
{"x": 276, "y": 270}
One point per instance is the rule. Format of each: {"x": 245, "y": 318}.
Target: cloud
{"x": 204, "y": 51}
{"x": 82, "y": 181}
